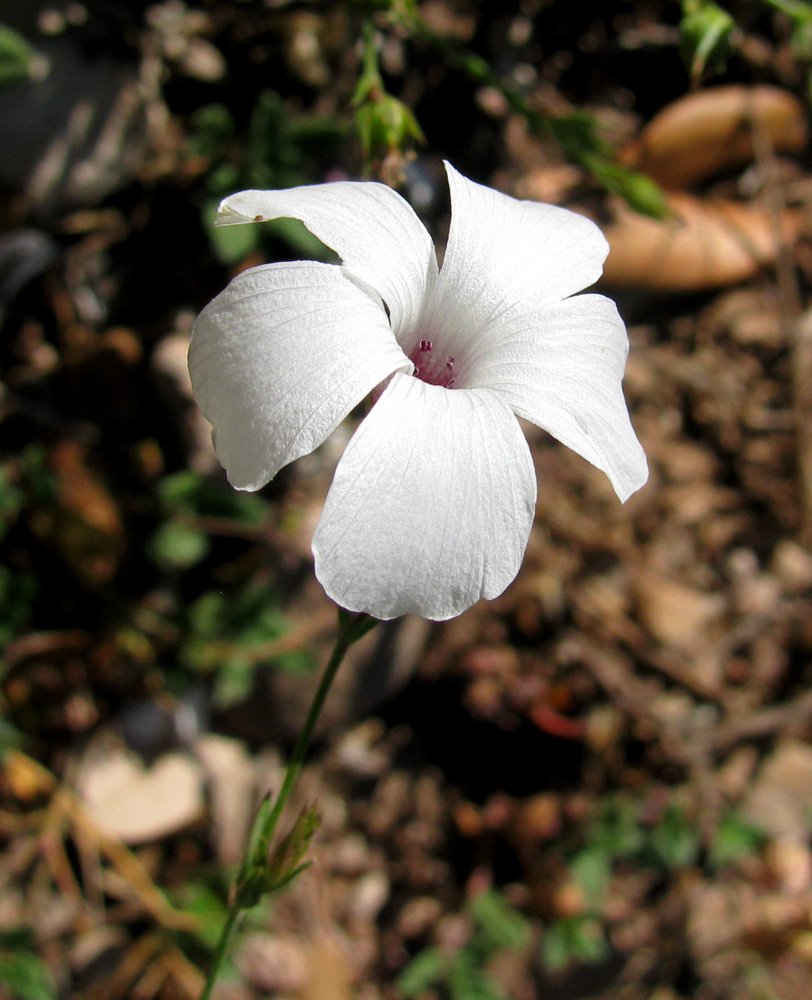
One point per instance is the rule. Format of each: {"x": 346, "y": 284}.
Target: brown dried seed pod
{"x": 715, "y": 130}
{"x": 702, "y": 244}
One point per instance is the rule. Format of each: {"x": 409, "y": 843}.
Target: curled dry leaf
{"x": 677, "y": 615}
{"x": 701, "y": 244}
{"x": 87, "y": 524}
{"x": 715, "y": 130}
{"x": 139, "y": 804}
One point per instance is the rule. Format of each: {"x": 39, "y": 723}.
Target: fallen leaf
{"x": 137, "y": 803}
{"x": 715, "y": 130}
{"x": 702, "y": 243}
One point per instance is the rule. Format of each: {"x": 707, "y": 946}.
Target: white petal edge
{"x": 431, "y": 506}
{"x": 561, "y": 368}
{"x": 280, "y": 357}
{"x": 375, "y": 232}
{"x": 503, "y": 253}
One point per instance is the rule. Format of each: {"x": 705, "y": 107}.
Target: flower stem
{"x": 351, "y": 628}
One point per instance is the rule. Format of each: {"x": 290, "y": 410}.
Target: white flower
{"x": 433, "y": 499}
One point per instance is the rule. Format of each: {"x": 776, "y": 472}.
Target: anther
{"x": 425, "y": 345}
{"x": 449, "y": 362}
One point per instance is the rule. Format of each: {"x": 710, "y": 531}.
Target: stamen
{"x": 416, "y": 370}
{"x": 449, "y": 362}
{"x": 425, "y": 345}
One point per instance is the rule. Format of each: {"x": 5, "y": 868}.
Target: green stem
{"x": 351, "y": 628}
{"x": 220, "y": 951}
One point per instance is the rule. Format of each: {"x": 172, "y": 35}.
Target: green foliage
{"x": 187, "y": 499}
{"x": 733, "y": 839}
{"x": 285, "y": 861}
{"x": 385, "y": 125}
{"x": 706, "y": 29}
{"x": 499, "y": 924}
{"x": 17, "y": 591}
{"x": 278, "y": 149}
{"x": 496, "y": 926}
{"x": 674, "y": 839}
{"x": 575, "y": 938}
{"x": 226, "y": 635}
{"x": 177, "y": 546}
{"x": 799, "y": 13}
{"x": 16, "y": 56}
{"x": 190, "y": 493}
{"x": 22, "y": 971}
{"x": 623, "y": 829}
{"x": 12, "y": 499}
{"x": 615, "y": 828}
{"x": 201, "y": 901}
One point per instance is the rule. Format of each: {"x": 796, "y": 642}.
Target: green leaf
{"x": 578, "y": 938}
{"x": 706, "y": 30}
{"x": 190, "y": 493}
{"x": 211, "y": 127}
{"x": 428, "y": 967}
{"x": 176, "y": 546}
{"x": 202, "y": 902}
{"x": 26, "y": 976}
{"x": 298, "y": 237}
{"x": 615, "y": 829}
{"x": 502, "y": 925}
{"x": 16, "y": 56}
{"x": 230, "y": 244}
{"x": 734, "y": 838}
{"x": 285, "y": 858}
{"x": 12, "y": 500}
{"x": 675, "y": 839}
{"x": 467, "y": 980}
{"x": 17, "y": 591}
{"x": 591, "y": 870}
{"x": 233, "y": 682}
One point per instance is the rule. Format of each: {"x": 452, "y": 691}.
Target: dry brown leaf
{"x": 780, "y": 800}
{"x": 675, "y": 614}
{"x": 88, "y": 526}
{"x": 701, "y": 244}
{"x": 138, "y": 804}
{"x": 715, "y": 130}
{"x": 330, "y": 973}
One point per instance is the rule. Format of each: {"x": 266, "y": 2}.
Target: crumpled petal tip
{"x": 228, "y": 215}
{"x": 635, "y": 477}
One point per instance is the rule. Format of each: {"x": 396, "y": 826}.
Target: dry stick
{"x": 801, "y": 358}
{"x": 798, "y": 330}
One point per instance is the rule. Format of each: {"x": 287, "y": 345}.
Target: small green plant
{"x": 624, "y": 830}
{"x": 799, "y": 13}
{"x": 17, "y": 57}
{"x": 190, "y": 502}
{"x": 706, "y": 29}
{"x": 577, "y": 938}
{"x": 496, "y": 926}
{"x": 22, "y": 972}
{"x": 278, "y": 149}
{"x": 229, "y": 635}
{"x": 734, "y": 838}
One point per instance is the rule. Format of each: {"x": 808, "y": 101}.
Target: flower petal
{"x": 561, "y": 368}
{"x": 374, "y": 231}
{"x": 280, "y": 357}
{"x": 503, "y": 252}
{"x": 431, "y": 505}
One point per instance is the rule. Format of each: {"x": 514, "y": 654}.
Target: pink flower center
{"x": 433, "y": 366}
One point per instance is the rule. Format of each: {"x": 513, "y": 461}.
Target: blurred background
{"x": 598, "y": 786}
